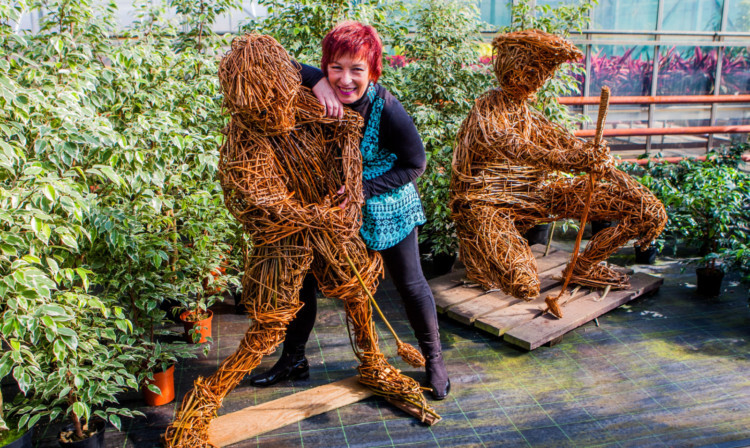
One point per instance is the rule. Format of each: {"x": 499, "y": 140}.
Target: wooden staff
{"x": 407, "y": 352}
{"x": 552, "y": 306}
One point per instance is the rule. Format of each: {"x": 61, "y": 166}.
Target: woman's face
{"x": 349, "y": 77}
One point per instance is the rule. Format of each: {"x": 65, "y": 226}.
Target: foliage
{"x": 300, "y": 26}
{"x": 707, "y": 204}
{"x": 437, "y": 88}
{"x": 686, "y": 73}
{"x": 109, "y": 200}
{"x": 559, "y": 20}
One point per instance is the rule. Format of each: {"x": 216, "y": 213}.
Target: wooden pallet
{"x": 524, "y": 323}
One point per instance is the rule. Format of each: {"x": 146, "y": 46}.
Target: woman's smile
{"x": 349, "y": 76}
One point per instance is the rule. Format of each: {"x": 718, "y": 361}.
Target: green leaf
{"x": 115, "y": 420}
{"x": 49, "y": 192}
{"x": 81, "y": 410}
{"x": 69, "y": 241}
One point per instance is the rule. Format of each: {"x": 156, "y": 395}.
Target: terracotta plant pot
{"x": 202, "y": 326}
{"x": 165, "y": 382}
{"x": 95, "y": 441}
{"x": 22, "y": 442}
{"x": 709, "y": 281}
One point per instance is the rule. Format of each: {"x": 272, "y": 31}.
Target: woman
{"x": 392, "y": 157}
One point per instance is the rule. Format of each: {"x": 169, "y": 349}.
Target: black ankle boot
{"x": 437, "y": 377}
{"x": 291, "y": 366}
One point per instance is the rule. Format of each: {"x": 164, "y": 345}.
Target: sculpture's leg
{"x": 494, "y": 252}
{"x": 618, "y": 198}
{"x": 271, "y": 284}
{"x": 337, "y": 280}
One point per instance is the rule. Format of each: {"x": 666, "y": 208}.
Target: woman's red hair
{"x": 356, "y": 39}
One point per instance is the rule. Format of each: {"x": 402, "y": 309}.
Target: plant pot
{"x": 95, "y": 441}
{"x": 22, "y": 442}
{"x": 202, "y": 326}
{"x": 165, "y": 382}
{"x": 539, "y": 234}
{"x": 647, "y": 256}
{"x": 598, "y": 226}
{"x": 168, "y": 305}
{"x": 443, "y": 263}
{"x": 709, "y": 281}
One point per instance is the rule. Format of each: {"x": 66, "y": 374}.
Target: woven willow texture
{"x": 282, "y": 167}
{"x": 513, "y": 168}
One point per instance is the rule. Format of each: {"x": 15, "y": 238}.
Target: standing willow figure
{"x": 507, "y": 177}
{"x": 283, "y": 169}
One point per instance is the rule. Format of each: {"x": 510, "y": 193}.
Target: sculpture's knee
{"x": 523, "y": 281}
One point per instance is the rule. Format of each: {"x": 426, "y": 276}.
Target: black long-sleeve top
{"x": 397, "y": 135}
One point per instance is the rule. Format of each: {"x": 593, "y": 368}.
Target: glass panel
{"x": 738, "y": 16}
{"x": 692, "y": 15}
{"x": 555, "y": 3}
{"x": 735, "y": 71}
{"x": 686, "y": 71}
{"x": 626, "y": 70}
{"x": 495, "y": 12}
{"x": 628, "y": 15}
{"x": 579, "y": 77}
{"x": 732, "y": 114}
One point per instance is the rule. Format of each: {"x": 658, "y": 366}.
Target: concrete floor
{"x": 668, "y": 370}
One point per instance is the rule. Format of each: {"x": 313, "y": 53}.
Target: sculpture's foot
{"x": 190, "y": 429}
{"x": 389, "y": 382}
{"x": 600, "y": 276}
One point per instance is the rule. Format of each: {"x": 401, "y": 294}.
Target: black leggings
{"x": 402, "y": 262}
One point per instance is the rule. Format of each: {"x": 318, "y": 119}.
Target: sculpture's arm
{"x": 547, "y": 145}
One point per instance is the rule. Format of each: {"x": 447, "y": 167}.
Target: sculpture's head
{"x": 525, "y": 60}
{"x": 260, "y": 83}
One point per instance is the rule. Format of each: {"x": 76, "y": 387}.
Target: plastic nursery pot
{"x": 709, "y": 281}
{"x": 165, "y": 382}
{"x": 443, "y": 263}
{"x": 646, "y": 256}
{"x": 202, "y": 326}
{"x": 598, "y": 226}
{"x": 22, "y": 442}
{"x": 539, "y": 234}
{"x": 95, "y": 441}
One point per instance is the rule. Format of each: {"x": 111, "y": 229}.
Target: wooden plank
{"x": 501, "y": 321}
{"x": 249, "y": 422}
{"x": 551, "y": 261}
{"x": 467, "y": 307}
{"x": 467, "y": 312}
{"x": 546, "y": 328}
{"x": 450, "y": 297}
{"x": 447, "y": 281}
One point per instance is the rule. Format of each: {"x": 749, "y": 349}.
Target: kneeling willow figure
{"x": 506, "y": 177}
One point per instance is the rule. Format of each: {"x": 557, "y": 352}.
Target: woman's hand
{"x": 341, "y": 191}
{"x": 327, "y": 97}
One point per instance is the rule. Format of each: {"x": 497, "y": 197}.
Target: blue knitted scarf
{"x": 387, "y": 218}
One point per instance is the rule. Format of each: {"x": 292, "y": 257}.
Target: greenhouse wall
{"x": 636, "y": 47}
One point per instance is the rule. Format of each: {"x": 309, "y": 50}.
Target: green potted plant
{"x": 708, "y": 210}
{"x": 10, "y": 435}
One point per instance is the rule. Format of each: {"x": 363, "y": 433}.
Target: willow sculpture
{"x": 507, "y": 177}
{"x": 282, "y": 168}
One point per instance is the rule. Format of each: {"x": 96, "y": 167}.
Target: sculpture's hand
{"x": 599, "y": 159}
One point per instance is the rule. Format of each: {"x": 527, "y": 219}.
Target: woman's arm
{"x": 398, "y": 135}
{"x": 313, "y": 78}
